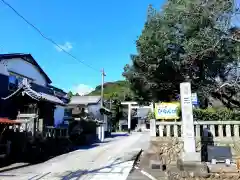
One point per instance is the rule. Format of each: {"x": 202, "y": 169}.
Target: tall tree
{"x": 70, "y": 94}
{"x": 185, "y": 41}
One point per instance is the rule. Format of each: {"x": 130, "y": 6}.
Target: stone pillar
{"x": 212, "y": 130}
{"x": 99, "y": 133}
{"x": 105, "y": 123}
{"x": 175, "y": 130}
{"x": 102, "y": 132}
{"x": 153, "y": 132}
{"x": 152, "y": 107}
{"x": 120, "y": 127}
{"x": 168, "y": 130}
{"x": 129, "y": 117}
{"x": 160, "y": 128}
{"x": 189, "y": 153}
{"x": 228, "y": 130}
{"x": 198, "y": 130}
{"x": 220, "y": 130}
{"x": 236, "y": 131}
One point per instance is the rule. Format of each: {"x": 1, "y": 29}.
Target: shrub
{"x": 150, "y": 115}
{"x": 89, "y": 127}
{"x": 211, "y": 114}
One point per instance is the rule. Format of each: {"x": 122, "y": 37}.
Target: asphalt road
{"x": 108, "y": 160}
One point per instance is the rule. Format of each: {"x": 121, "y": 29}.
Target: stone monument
{"x": 189, "y": 153}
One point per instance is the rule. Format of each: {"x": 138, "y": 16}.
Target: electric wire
{"x": 47, "y": 38}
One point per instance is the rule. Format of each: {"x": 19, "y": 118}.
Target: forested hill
{"x": 118, "y": 89}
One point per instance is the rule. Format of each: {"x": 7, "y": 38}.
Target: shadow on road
{"x": 6, "y": 175}
{"x": 97, "y": 143}
{"x": 85, "y": 147}
{"x": 79, "y": 173}
{"x": 11, "y": 167}
{"x": 119, "y": 135}
{"x": 90, "y": 146}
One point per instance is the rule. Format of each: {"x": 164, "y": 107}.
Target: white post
{"x": 228, "y": 130}
{"x": 212, "y": 129}
{"x": 175, "y": 130}
{"x": 152, "y": 107}
{"x": 188, "y": 125}
{"x": 103, "y": 133}
{"x": 153, "y": 127}
{"x": 105, "y": 122}
{"x": 129, "y": 117}
{"x": 236, "y": 131}
{"x": 160, "y": 128}
{"x": 99, "y": 133}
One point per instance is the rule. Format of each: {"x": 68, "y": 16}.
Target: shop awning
{"x": 25, "y": 88}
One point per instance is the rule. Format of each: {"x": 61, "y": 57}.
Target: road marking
{"x": 33, "y": 177}
{"x": 38, "y": 177}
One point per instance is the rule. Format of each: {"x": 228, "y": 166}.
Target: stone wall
{"x": 173, "y": 146}
{"x": 168, "y": 150}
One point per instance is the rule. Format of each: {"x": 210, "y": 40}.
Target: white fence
{"x": 56, "y": 132}
{"x": 220, "y": 130}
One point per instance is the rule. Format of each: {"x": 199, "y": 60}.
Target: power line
{"x": 45, "y": 37}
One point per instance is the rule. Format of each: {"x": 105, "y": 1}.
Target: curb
{"x": 136, "y": 160}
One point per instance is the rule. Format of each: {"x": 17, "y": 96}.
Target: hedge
{"x": 211, "y": 114}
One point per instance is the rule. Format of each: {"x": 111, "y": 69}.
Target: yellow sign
{"x": 167, "y": 110}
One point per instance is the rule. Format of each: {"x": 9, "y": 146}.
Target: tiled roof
{"x": 42, "y": 96}
{"x": 75, "y": 100}
{"x": 25, "y": 88}
{"x": 51, "y": 98}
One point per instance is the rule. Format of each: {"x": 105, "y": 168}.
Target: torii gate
{"x": 134, "y": 105}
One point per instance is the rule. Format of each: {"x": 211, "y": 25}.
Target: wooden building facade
{"x": 28, "y": 101}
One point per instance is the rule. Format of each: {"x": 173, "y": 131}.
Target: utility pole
{"x": 103, "y": 75}
{"x": 110, "y": 104}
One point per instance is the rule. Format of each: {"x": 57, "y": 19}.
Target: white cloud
{"x": 67, "y": 46}
{"x": 82, "y": 89}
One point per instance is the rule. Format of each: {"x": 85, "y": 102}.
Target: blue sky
{"x": 101, "y": 33}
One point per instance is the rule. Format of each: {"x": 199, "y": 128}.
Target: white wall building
{"x": 91, "y": 105}
{"x": 16, "y": 67}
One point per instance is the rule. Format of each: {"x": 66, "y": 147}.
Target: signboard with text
{"x": 167, "y": 110}
{"x": 194, "y": 98}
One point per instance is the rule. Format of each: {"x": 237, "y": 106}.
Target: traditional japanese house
{"x": 90, "y": 105}
{"x": 26, "y": 92}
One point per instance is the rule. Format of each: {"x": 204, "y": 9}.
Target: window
{"x": 15, "y": 78}
{"x": 20, "y": 79}
{"x": 68, "y": 112}
{"x": 12, "y": 82}
{"x": 12, "y": 79}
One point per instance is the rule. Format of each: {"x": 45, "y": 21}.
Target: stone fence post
{"x": 153, "y": 128}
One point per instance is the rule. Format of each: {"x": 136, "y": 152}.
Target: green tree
{"x": 115, "y": 92}
{"x": 185, "y": 41}
{"x": 112, "y": 90}
{"x": 69, "y": 94}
